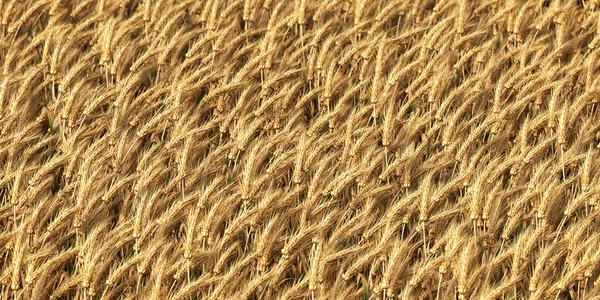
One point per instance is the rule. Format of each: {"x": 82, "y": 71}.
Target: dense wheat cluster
{"x": 259, "y": 149}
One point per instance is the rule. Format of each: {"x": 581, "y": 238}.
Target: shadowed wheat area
{"x": 259, "y": 149}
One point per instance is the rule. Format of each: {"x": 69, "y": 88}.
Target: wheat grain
{"x": 299, "y": 149}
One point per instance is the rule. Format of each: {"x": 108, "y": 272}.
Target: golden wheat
{"x": 254, "y": 149}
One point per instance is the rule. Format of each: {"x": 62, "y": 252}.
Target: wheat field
{"x": 308, "y": 149}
